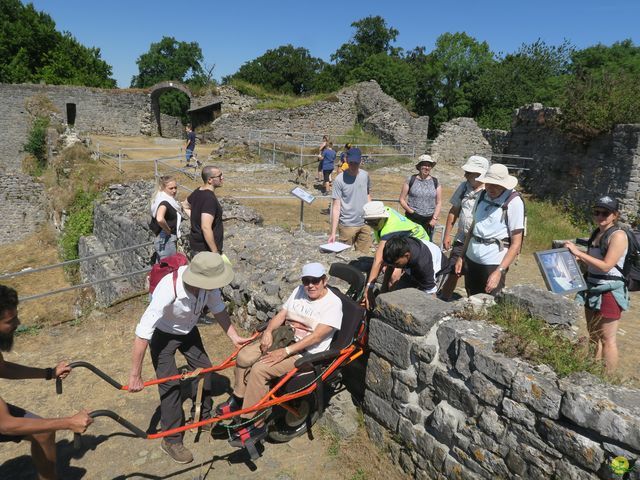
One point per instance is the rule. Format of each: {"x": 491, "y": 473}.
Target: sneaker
{"x": 230, "y": 406}
{"x": 250, "y": 433}
{"x": 177, "y": 451}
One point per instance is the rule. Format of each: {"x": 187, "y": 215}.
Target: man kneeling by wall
{"x": 16, "y": 424}
{"x": 420, "y": 261}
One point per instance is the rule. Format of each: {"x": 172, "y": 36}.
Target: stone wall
{"x": 23, "y": 206}
{"x": 574, "y": 172}
{"x": 110, "y": 112}
{"x": 364, "y": 103}
{"x": 458, "y": 140}
{"x": 444, "y": 404}
{"x": 498, "y": 139}
{"x": 171, "y": 126}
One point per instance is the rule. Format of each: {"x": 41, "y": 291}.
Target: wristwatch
{"x": 502, "y": 269}
{"x": 371, "y": 285}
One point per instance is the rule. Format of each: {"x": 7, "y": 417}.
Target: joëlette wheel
{"x": 285, "y": 425}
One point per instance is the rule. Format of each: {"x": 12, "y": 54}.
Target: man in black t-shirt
{"x": 205, "y": 213}
{"x": 420, "y": 260}
{"x": 190, "y": 145}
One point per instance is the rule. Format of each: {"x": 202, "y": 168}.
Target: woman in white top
{"x": 494, "y": 241}
{"x": 314, "y": 313}
{"x": 607, "y": 295}
{"x": 166, "y": 216}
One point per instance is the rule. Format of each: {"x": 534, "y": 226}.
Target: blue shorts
{"x": 188, "y": 154}
{"x": 20, "y": 413}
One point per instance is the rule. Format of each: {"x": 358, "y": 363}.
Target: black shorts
{"x": 20, "y": 413}
{"x": 327, "y": 175}
{"x": 476, "y": 276}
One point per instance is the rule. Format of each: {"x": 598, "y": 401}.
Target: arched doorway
{"x": 156, "y": 92}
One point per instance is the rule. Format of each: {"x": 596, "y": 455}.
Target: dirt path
{"x": 109, "y": 452}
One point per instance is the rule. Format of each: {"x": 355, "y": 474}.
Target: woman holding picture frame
{"x": 607, "y": 295}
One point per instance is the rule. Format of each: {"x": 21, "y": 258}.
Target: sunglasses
{"x": 601, "y": 213}
{"x": 306, "y": 281}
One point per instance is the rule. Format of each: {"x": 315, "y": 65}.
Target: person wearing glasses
{"x": 313, "y": 313}
{"x": 421, "y": 196}
{"x": 386, "y": 223}
{"x": 204, "y": 210}
{"x": 607, "y": 295}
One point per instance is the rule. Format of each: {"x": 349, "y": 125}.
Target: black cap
{"x": 608, "y": 203}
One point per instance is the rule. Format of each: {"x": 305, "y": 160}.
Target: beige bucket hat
{"x": 208, "y": 271}
{"x": 476, "y": 164}
{"x": 498, "y": 174}
{"x": 375, "y": 209}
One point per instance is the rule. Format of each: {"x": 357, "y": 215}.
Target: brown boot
{"x": 177, "y": 451}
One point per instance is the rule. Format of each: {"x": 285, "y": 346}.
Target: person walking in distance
{"x": 204, "y": 210}
{"x": 190, "y": 146}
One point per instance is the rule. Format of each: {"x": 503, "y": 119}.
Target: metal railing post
{"x": 302, "y": 215}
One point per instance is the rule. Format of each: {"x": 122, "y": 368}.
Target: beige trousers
{"x": 252, "y": 377}
{"x": 359, "y": 237}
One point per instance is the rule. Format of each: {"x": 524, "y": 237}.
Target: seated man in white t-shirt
{"x": 494, "y": 241}
{"x": 315, "y": 313}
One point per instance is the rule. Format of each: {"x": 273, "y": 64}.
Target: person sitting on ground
{"x": 493, "y": 242}
{"x": 328, "y": 160}
{"x": 168, "y": 325}
{"x": 607, "y": 295}
{"x": 462, "y": 202}
{"x": 419, "y": 260}
{"x": 421, "y": 196}
{"x": 314, "y": 313}
{"x": 351, "y": 190}
{"x": 17, "y": 424}
{"x": 166, "y": 216}
{"x": 386, "y": 223}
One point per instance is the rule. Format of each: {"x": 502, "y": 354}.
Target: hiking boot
{"x": 177, "y": 451}
{"x": 230, "y": 406}
{"x": 250, "y": 433}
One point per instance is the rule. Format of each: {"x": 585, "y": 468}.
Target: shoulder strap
{"x": 435, "y": 183}
{"x": 464, "y": 191}
{"x": 412, "y": 181}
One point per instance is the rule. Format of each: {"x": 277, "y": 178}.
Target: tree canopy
{"x": 31, "y": 50}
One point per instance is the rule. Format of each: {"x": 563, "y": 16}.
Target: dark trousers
{"x": 476, "y": 276}
{"x": 422, "y": 220}
{"x": 163, "y": 347}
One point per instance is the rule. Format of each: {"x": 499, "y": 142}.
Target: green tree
{"x": 284, "y": 69}
{"x": 169, "y": 59}
{"x": 395, "y": 76}
{"x": 446, "y": 74}
{"x": 536, "y": 72}
{"x": 372, "y": 37}
{"x": 31, "y": 49}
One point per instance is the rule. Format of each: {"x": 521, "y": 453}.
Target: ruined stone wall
{"x": 444, "y": 404}
{"x": 364, "y": 103}
{"x": 102, "y": 111}
{"x": 574, "y": 172}
{"x": 458, "y": 140}
{"x": 171, "y": 126}
{"x": 498, "y": 139}
{"x": 23, "y": 206}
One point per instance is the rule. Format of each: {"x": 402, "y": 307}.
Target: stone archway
{"x": 157, "y": 90}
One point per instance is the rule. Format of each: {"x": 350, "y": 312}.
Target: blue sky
{"x": 233, "y": 32}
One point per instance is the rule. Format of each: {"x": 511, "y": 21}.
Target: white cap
{"x": 315, "y": 270}
{"x": 375, "y": 209}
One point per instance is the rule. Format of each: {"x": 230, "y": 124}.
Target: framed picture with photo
{"x": 560, "y": 271}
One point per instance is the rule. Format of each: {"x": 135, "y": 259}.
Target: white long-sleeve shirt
{"x": 176, "y": 313}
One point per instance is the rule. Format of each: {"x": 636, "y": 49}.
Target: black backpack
{"x": 412, "y": 180}
{"x": 631, "y": 267}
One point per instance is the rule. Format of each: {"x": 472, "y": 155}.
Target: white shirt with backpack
{"x": 464, "y": 199}
{"x": 493, "y": 227}
{"x": 174, "y": 310}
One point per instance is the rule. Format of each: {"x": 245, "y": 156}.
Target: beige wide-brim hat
{"x": 426, "y": 159}
{"x": 498, "y": 174}
{"x": 208, "y": 271}
{"x": 476, "y": 164}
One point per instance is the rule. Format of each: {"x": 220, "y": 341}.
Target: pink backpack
{"x": 164, "y": 267}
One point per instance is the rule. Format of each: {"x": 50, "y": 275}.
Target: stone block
{"x": 585, "y": 452}
{"x": 400, "y": 393}
{"x": 406, "y": 431}
{"x": 378, "y": 376}
{"x": 410, "y": 311}
{"x": 489, "y": 461}
{"x": 424, "y": 351}
{"x": 407, "y": 376}
{"x": 374, "y": 430}
{"x": 496, "y": 366}
{"x": 485, "y": 389}
{"x": 565, "y": 470}
{"x": 414, "y": 413}
{"x": 390, "y": 343}
{"x": 515, "y": 463}
{"x": 341, "y": 415}
{"x": 518, "y": 412}
{"x": 455, "y": 471}
{"x": 455, "y": 392}
{"x": 426, "y": 400}
{"x": 444, "y": 421}
{"x": 613, "y": 412}
{"x": 489, "y": 422}
{"x": 518, "y": 436}
{"x": 552, "y": 308}
{"x": 381, "y": 410}
{"x": 540, "y": 392}
{"x": 425, "y": 373}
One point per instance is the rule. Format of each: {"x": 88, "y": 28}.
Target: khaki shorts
{"x": 360, "y": 237}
